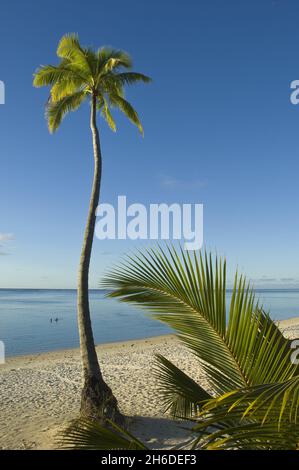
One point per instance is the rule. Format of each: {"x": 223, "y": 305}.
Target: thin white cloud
{"x": 266, "y": 279}
{"x": 178, "y": 183}
{"x": 4, "y": 237}
{"x": 273, "y": 282}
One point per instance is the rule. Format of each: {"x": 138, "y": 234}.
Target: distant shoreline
{"x": 289, "y": 322}
{"x": 106, "y": 346}
{"x": 286, "y": 324}
{"x": 44, "y": 355}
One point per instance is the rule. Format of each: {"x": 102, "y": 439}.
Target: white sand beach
{"x": 41, "y": 393}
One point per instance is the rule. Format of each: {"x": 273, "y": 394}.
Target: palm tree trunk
{"x": 97, "y": 400}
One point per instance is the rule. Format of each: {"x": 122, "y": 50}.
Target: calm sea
{"x": 26, "y": 327}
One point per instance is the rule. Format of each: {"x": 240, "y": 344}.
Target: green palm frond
{"x": 106, "y": 113}
{"x": 189, "y": 294}
{"x": 110, "y": 85}
{"x": 130, "y": 78}
{"x": 110, "y": 65}
{"x": 256, "y": 412}
{"x": 56, "y": 110}
{"x": 67, "y": 86}
{"x": 69, "y": 48}
{"x": 115, "y": 58}
{"x": 91, "y": 435}
{"x": 128, "y": 110}
{"x": 180, "y": 394}
{"x": 251, "y": 436}
{"x": 51, "y": 74}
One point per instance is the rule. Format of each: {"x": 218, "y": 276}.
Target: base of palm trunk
{"x": 98, "y": 402}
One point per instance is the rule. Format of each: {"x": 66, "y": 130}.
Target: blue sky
{"x": 219, "y": 130}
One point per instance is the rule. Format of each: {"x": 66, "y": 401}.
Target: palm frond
{"x": 127, "y": 109}
{"x": 190, "y": 301}
{"x": 111, "y": 64}
{"x": 250, "y": 436}
{"x": 69, "y": 48}
{"x": 90, "y": 435}
{"x": 109, "y": 59}
{"x": 108, "y": 116}
{"x": 264, "y": 415}
{"x": 130, "y": 78}
{"x": 51, "y": 74}
{"x": 189, "y": 294}
{"x": 275, "y": 401}
{"x": 180, "y": 394}
{"x": 56, "y": 110}
{"x": 67, "y": 86}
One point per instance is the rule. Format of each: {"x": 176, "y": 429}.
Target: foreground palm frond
{"x": 91, "y": 435}
{"x": 259, "y": 417}
{"x": 244, "y": 355}
{"x": 182, "y": 396}
{"x": 251, "y": 436}
{"x": 238, "y": 349}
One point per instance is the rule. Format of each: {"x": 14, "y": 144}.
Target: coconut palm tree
{"x": 99, "y": 77}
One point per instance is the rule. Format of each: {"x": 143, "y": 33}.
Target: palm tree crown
{"x": 83, "y": 73}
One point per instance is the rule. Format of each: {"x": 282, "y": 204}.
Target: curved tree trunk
{"x": 97, "y": 400}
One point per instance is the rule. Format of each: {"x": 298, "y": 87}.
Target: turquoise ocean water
{"x": 26, "y": 327}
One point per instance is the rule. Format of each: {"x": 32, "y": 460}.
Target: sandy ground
{"x": 41, "y": 393}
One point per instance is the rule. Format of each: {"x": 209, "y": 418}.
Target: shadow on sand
{"x": 161, "y": 433}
